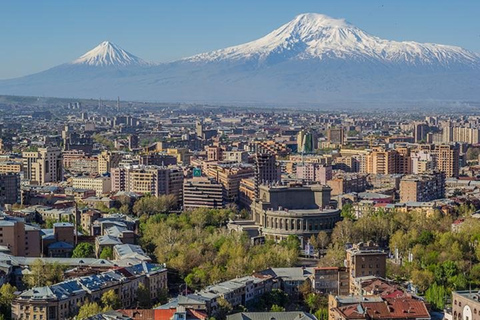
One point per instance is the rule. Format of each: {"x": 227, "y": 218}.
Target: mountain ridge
{"x": 313, "y": 58}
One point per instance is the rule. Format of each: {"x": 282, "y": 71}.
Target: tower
{"x": 266, "y": 170}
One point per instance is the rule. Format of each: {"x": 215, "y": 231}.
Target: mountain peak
{"x": 320, "y": 20}
{"x": 109, "y": 54}
{"x": 320, "y": 37}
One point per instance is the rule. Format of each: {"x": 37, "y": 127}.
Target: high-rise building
{"x": 107, "y": 161}
{"x": 335, "y": 136}
{"x": 9, "y": 188}
{"x": 148, "y": 179}
{"x": 425, "y": 187}
{"x": 420, "y": 131}
{"x": 230, "y": 176}
{"x": 403, "y": 163}
{"x": 266, "y": 169}
{"x": 381, "y": 161}
{"x": 202, "y": 192}
{"x": 132, "y": 141}
{"x": 214, "y": 153}
{"x": 306, "y": 141}
{"x": 447, "y": 159}
{"x": 44, "y": 165}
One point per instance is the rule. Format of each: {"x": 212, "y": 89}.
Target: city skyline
{"x": 44, "y": 35}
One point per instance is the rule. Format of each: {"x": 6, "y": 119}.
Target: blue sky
{"x": 36, "y": 35}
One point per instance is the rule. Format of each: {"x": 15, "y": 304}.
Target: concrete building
{"x": 336, "y": 136}
{"x": 315, "y": 172}
{"x": 347, "y": 183}
{"x": 101, "y": 185}
{"x": 108, "y": 160}
{"x": 154, "y": 180}
{"x": 266, "y": 170}
{"x": 230, "y": 176}
{"x": 447, "y": 159}
{"x": 9, "y": 188}
{"x": 422, "y": 188}
{"x": 44, "y": 165}
{"x": 365, "y": 259}
{"x": 202, "y": 192}
{"x": 381, "y": 161}
{"x": 157, "y": 159}
{"x": 294, "y": 209}
{"x": 63, "y": 299}
{"x": 10, "y": 166}
{"x": 20, "y": 238}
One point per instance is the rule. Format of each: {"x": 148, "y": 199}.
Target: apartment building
{"x": 202, "y": 192}
{"x": 447, "y": 159}
{"x": 154, "y": 180}
{"x": 314, "y": 172}
{"x": 108, "y": 160}
{"x": 20, "y": 238}
{"x": 422, "y": 188}
{"x": 9, "y": 188}
{"x": 230, "y": 176}
{"x": 10, "y": 166}
{"x": 347, "y": 183}
{"x": 101, "y": 185}
{"x": 64, "y": 299}
{"x": 44, "y": 165}
{"x": 365, "y": 259}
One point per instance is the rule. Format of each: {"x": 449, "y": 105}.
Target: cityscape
{"x": 316, "y": 173}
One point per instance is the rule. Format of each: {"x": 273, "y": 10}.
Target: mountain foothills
{"x": 311, "y": 59}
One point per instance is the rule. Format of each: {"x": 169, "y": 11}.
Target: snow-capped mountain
{"x": 109, "y": 54}
{"x": 317, "y": 36}
{"x": 311, "y": 59}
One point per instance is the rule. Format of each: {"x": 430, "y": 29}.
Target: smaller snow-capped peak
{"x": 109, "y": 54}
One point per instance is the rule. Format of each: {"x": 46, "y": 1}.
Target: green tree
{"x": 348, "y": 212}
{"x": 84, "y": 250}
{"x": 224, "y": 308}
{"x": 107, "y": 253}
{"x": 143, "y": 297}
{"x": 7, "y": 295}
{"x": 154, "y": 205}
{"x": 110, "y": 300}
{"x": 313, "y": 301}
{"x": 276, "y": 308}
{"x": 44, "y": 274}
{"x": 436, "y": 296}
{"x": 87, "y": 310}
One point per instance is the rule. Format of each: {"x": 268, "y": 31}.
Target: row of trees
{"x": 197, "y": 245}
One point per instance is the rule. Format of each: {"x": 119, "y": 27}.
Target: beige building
{"x": 148, "y": 179}
{"x": 10, "y": 166}
{"x": 447, "y": 159}
{"x": 108, "y": 160}
{"x": 230, "y": 176}
{"x": 44, "y": 165}
{"x": 381, "y": 161}
{"x": 465, "y": 305}
{"x": 101, "y": 185}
